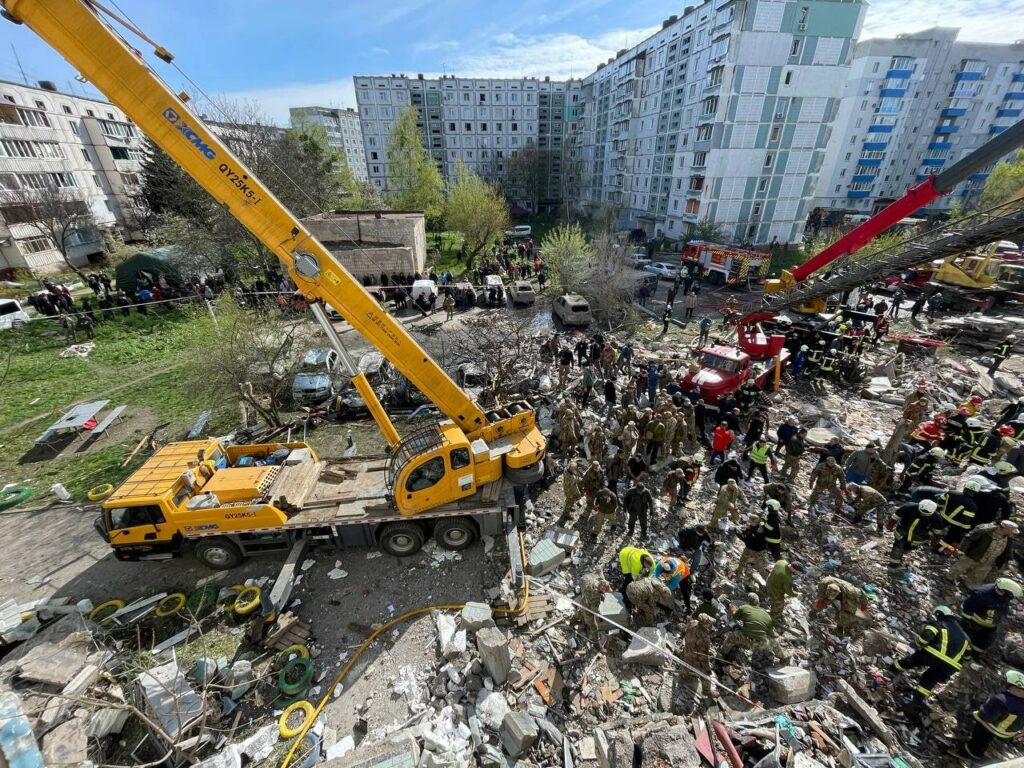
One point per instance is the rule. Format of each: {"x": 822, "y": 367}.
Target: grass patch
{"x": 215, "y": 642}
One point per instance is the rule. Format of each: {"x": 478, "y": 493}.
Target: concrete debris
{"x": 491, "y": 708}
{"x": 519, "y": 733}
{"x": 789, "y": 685}
{"x": 476, "y": 616}
{"x": 492, "y": 646}
{"x": 545, "y": 556}
{"x": 647, "y": 647}
{"x": 67, "y": 744}
{"x": 169, "y": 698}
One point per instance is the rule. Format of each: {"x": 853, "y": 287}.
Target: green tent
{"x": 164, "y": 260}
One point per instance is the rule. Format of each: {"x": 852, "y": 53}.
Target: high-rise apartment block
{"x": 80, "y": 151}
{"x": 913, "y": 105}
{"x": 343, "y": 132}
{"x": 482, "y": 123}
{"x": 724, "y": 114}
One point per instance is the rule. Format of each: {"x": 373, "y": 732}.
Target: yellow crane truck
{"x": 453, "y": 479}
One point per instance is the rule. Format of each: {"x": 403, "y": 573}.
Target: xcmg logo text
{"x": 186, "y": 130}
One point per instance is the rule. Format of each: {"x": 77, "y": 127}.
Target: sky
{"x": 305, "y": 52}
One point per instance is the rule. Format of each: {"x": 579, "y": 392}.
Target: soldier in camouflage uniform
{"x": 675, "y": 486}
{"x": 594, "y": 588}
{"x": 593, "y": 481}
{"x": 569, "y": 433}
{"x": 630, "y": 437}
{"x": 598, "y": 443}
{"x": 671, "y": 427}
{"x": 696, "y": 651}
{"x": 730, "y": 496}
{"x": 644, "y": 595}
{"x": 573, "y": 493}
{"x": 828, "y": 477}
{"x": 607, "y": 509}
{"x": 687, "y": 427}
{"x": 848, "y": 599}
{"x": 865, "y": 499}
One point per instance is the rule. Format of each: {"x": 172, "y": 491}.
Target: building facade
{"x": 343, "y": 132}
{"x": 482, "y": 123}
{"x": 913, "y": 105}
{"x": 81, "y": 151}
{"x": 722, "y": 115}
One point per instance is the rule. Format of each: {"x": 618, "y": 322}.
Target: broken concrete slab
{"x": 673, "y": 745}
{"x": 399, "y": 750}
{"x": 789, "y": 685}
{"x": 492, "y": 645}
{"x": 476, "y": 616}
{"x": 563, "y": 538}
{"x": 545, "y": 557}
{"x": 106, "y": 721}
{"x": 491, "y": 708}
{"x": 170, "y": 698}
{"x": 519, "y": 733}
{"x": 67, "y": 744}
{"x": 867, "y": 713}
{"x": 613, "y": 608}
{"x": 647, "y": 647}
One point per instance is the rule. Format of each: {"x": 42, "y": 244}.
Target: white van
{"x": 522, "y": 230}
{"x": 423, "y": 291}
{"x": 11, "y": 314}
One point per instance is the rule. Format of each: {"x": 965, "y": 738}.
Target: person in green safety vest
{"x": 760, "y": 454}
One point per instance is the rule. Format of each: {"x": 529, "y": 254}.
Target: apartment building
{"x": 343, "y": 132}
{"x": 913, "y": 105}
{"x": 84, "y": 147}
{"x": 723, "y": 114}
{"x": 480, "y": 122}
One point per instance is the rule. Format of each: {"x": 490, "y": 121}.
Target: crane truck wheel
{"x": 455, "y": 534}
{"x": 401, "y": 539}
{"x": 219, "y": 554}
{"x": 534, "y": 473}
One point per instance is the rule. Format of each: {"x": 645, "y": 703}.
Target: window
{"x": 426, "y": 475}
{"x": 874, "y": 69}
{"x": 776, "y": 133}
{"x": 110, "y": 115}
{"x": 133, "y": 517}
{"x": 36, "y": 245}
{"x": 40, "y": 105}
{"x": 85, "y": 155}
{"x": 700, "y": 159}
{"x": 515, "y": 127}
{"x": 16, "y": 148}
{"x": 756, "y": 210}
{"x": 8, "y": 182}
{"x": 33, "y": 118}
{"x": 704, "y": 133}
{"x": 789, "y": 77}
{"x": 459, "y": 458}
{"x": 849, "y": 155}
{"x": 467, "y": 126}
{"x": 794, "y": 49}
{"x": 451, "y": 126}
{"x": 131, "y": 179}
{"x": 49, "y": 149}
{"x": 769, "y": 160}
{"x": 842, "y": 173}
{"x": 119, "y": 153}
{"x": 762, "y": 185}
{"x": 67, "y": 110}
{"x": 116, "y": 128}
{"x": 96, "y": 181}
{"x": 483, "y": 127}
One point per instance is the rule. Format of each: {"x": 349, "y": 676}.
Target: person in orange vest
{"x": 928, "y": 433}
{"x": 675, "y": 572}
{"x": 973, "y": 404}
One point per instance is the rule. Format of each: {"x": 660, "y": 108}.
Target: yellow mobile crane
{"x": 451, "y": 477}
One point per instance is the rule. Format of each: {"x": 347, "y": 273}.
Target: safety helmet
{"x": 805, "y": 348}
{"x": 732, "y": 455}
{"x": 974, "y": 484}
{"x": 977, "y": 399}
{"x": 753, "y": 599}
{"x": 927, "y": 507}
{"x": 1006, "y": 430}
{"x": 943, "y": 610}
{"x": 832, "y": 589}
{"x": 705, "y": 620}
{"x": 1011, "y": 336}
{"x": 937, "y": 453}
{"x": 973, "y": 423}
{"x": 1005, "y": 468}
{"x": 773, "y": 504}
{"x": 1013, "y": 677}
{"x": 1011, "y": 586}
{"x": 595, "y": 464}
{"x": 698, "y": 456}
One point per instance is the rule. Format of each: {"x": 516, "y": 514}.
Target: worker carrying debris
{"x": 728, "y": 501}
{"x": 634, "y": 563}
{"x": 644, "y": 595}
{"x": 985, "y": 607}
{"x": 851, "y": 609}
{"x": 942, "y": 649}
{"x": 866, "y": 499}
{"x": 779, "y": 586}
{"x": 913, "y": 523}
{"x": 1000, "y": 717}
{"x": 754, "y": 632}
{"x": 984, "y": 553}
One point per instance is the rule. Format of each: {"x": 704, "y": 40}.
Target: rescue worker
{"x": 592, "y": 593}
{"x": 630, "y": 436}
{"x": 796, "y": 446}
{"x": 753, "y": 538}
{"x": 861, "y": 464}
{"x": 958, "y": 510}
{"x": 686, "y": 430}
{"x": 848, "y": 600}
{"x": 828, "y": 478}
{"x": 913, "y": 523}
{"x": 779, "y": 586}
{"x": 696, "y": 652}
{"x": 942, "y": 649}
{"x": 988, "y": 448}
{"x": 772, "y": 526}
{"x": 799, "y": 362}
{"x": 921, "y": 469}
{"x": 565, "y": 359}
{"x": 639, "y": 505}
{"x": 866, "y": 499}
{"x": 570, "y": 435}
{"x": 754, "y": 631}
{"x": 593, "y": 481}
{"x": 572, "y": 491}
{"x": 992, "y": 501}
{"x": 675, "y": 486}
{"x": 675, "y": 572}
{"x": 728, "y": 501}
{"x": 449, "y": 306}
{"x": 984, "y": 553}
{"x": 928, "y": 433}
{"x": 973, "y": 434}
{"x": 917, "y": 404}
{"x": 730, "y": 470}
{"x": 1000, "y": 717}
{"x": 672, "y": 425}
{"x": 1001, "y": 353}
{"x": 597, "y": 443}
{"x": 891, "y": 452}
{"x": 634, "y": 562}
{"x": 760, "y": 454}
{"x": 832, "y": 448}
{"x": 973, "y": 404}
{"x": 781, "y": 493}
{"x": 785, "y": 431}
{"x": 644, "y": 595}
{"x": 607, "y": 508}
{"x": 985, "y": 607}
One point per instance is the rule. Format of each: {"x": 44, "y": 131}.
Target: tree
{"x": 477, "y": 210}
{"x": 205, "y": 252}
{"x": 1005, "y": 182}
{"x": 526, "y": 176}
{"x": 707, "y": 230}
{"x": 610, "y": 285}
{"x": 414, "y": 183}
{"x": 55, "y": 212}
{"x": 566, "y": 254}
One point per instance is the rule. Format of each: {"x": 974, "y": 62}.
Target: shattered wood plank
{"x": 542, "y": 689}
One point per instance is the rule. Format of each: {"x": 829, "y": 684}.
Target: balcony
{"x": 939, "y": 145}
{"x": 856, "y": 194}
{"x": 933, "y": 162}
{"x": 893, "y": 93}
{"x": 994, "y": 129}
{"x": 870, "y": 162}
{"x": 868, "y": 177}
{"x": 962, "y": 76}
{"x": 977, "y": 177}
{"x": 880, "y": 128}
{"x": 1013, "y": 96}
{"x": 899, "y": 74}
{"x": 950, "y": 112}
{"x": 875, "y": 146}
{"x": 1008, "y": 112}
{"x": 944, "y": 130}
{"x": 1018, "y": 78}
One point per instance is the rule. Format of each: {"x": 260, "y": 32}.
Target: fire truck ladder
{"x": 1002, "y": 222}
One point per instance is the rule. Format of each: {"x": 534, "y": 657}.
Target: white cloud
{"x": 379, "y": 51}
{"x": 986, "y": 21}
{"x": 276, "y": 101}
{"x": 429, "y": 46}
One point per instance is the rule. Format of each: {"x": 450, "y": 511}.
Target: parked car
{"x": 11, "y": 314}
{"x": 521, "y": 292}
{"x": 522, "y": 230}
{"x": 314, "y": 382}
{"x": 424, "y": 292}
{"x": 662, "y": 270}
{"x": 572, "y": 309}
{"x": 638, "y": 259}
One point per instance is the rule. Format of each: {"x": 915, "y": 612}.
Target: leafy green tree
{"x": 414, "y": 183}
{"x": 477, "y": 210}
{"x": 566, "y": 253}
{"x": 1005, "y": 182}
{"x": 708, "y": 231}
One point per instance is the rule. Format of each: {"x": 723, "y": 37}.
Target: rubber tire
{"x": 525, "y": 475}
{"x": 285, "y": 656}
{"x": 99, "y": 492}
{"x": 162, "y": 612}
{"x": 303, "y": 682}
{"x": 245, "y": 607}
{"x": 203, "y": 600}
{"x": 395, "y": 530}
{"x": 98, "y": 610}
{"x": 288, "y": 731}
{"x": 228, "y": 603}
{"x": 464, "y": 524}
{"x": 14, "y": 496}
{"x": 232, "y": 555}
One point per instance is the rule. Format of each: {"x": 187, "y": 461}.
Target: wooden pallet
{"x": 288, "y": 630}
